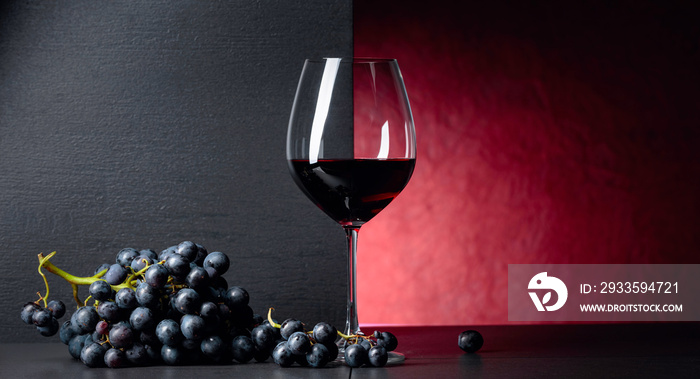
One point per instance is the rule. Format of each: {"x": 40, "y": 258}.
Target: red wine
{"x": 352, "y": 191}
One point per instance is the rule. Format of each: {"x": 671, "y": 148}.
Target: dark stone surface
{"x": 147, "y": 123}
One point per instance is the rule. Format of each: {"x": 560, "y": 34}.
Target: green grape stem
{"x": 76, "y": 281}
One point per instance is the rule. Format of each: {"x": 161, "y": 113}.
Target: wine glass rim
{"x": 354, "y": 60}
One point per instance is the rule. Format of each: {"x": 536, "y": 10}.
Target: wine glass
{"x": 351, "y": 145}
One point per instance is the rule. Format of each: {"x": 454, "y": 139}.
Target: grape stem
{"x": 76, "y": 281}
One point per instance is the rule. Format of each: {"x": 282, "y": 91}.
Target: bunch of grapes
{"x": 176, "y": 308}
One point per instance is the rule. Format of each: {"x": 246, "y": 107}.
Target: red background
{"x": 547, "y": 133}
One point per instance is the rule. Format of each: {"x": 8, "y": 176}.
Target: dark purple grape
{"x": 42, "y": 317}
{"x": 177, "y": 266}
{"x": 137, "y": 354}
{"x": 102, "y": 267}
{"x": 57, "y": 308}
{"x": 388, "y": 341}
{"x": 212, "y": 347}
{"x": 109, "y": 311}
{"x": 242, "y": 349}
{"x": 192, "y": 327}
{"x": 172, "y": 355}
{"x": 85, "y": 319}
{"x": 187, "y": 250}
{"x": 470, "y": 341}
{"x": 66, "y": 332}
{"x": 218, "y": 261}
{"x": 201, "y": 254}
{"x": 92, "y": 355}
{"x": 121, "y": 335}
{"x": 142, "y": 318}
{"x": 156, "y": 276}
{"x": 168, "y": 332}
{"x": 264, "y": 337}
{"x": 76, "y": 344}
{"x": 318, "y": 356}
{"x": 378, "y": 356}
{"x": 50, "y": 328}
{"x": 299, "y": 343}
{"x": 236, "y": 297}
{"x": 115, "y": 274}
{"x": 102, "y": 327}
{"x": 100, "y": 290}
{"x": 355, "y": 355}
{"x": 325, "y": 333}
{"x": 147, "y": 296}
{"x": 198, "y": 278}
{"x": 115, "y": 358}
{"x": 282, "y": 355}
{"x": 186, "y": 301}
{"x": 125, "y": 256}
{"x": 126, "y": 299}
{"x": 291, "y": 326}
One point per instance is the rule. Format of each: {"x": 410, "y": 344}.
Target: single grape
{"x": 192, "y": 327}
{"x": 318, "y": 355}
{"x": 66, "y": 332}
{"x": 121, "y": 335}
{"x": 236, "y": 297}
{"x": 109, "y": 311}
{"x": 42, "y": 317}
{"x": 264, "y": 337}
{"x": 172, "y": 355}
{"x": 282, "y": 355}
{"x": 187, "y": 250}
{"x": 291, "y": 326}
{"x": 85, "y": 319}
{"x": 378, "y": 356}
{"x": 325, "y": 333}
{"x": 115, "y": 274}
{"x": 243, "y": 349}
{"x": 470, "y": 341}
{"x": 156, "y": 276}
{"x": 92, "y": 355}
{"x": 197, "y": 278}
{"x": 388, "y": 341}
{"x": 333, "y": 349}
{"x": 125, "y": 256}
{"x": 142, "y": 318}
{"x": 76, "y": 344}
{"x": 165, "y": 254}
{"x": 212, "y": 347}
{"x": 218, "y": 261}
{"x": 186, "y": 301}
{"x": 126, "y": 299}
{"x": 177, "y": 266}
{"x": 58, "y": 309}
{"x": 299, "y": 343}
{"x": 201, "y": 254}
{"x": 115, "y": 358}
{"x": 50, "y": 328}
{"x": 355, "y": 355}
{"x": 208, "y": 310}
{"x": 137, "y": 354}
{"x": 102, "y": 327}
{"x": 147, "y": 296}
{"x": 168, "y": 332}
{"x": 100, "y": 290}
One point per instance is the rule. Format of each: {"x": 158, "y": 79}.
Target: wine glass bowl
{"x": 351, "y": 145}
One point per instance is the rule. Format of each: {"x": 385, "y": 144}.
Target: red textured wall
{"x": 546, "y": 134}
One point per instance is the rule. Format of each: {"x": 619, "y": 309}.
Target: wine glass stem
{"x": 352, "y": 325}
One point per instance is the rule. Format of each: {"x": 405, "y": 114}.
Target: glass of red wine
{"x": 351, "y": 145}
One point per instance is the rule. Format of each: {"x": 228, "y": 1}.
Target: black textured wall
{"x": 142, "y": 124}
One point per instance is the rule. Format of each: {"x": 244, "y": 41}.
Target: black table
{"x": 512, "y": 351}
